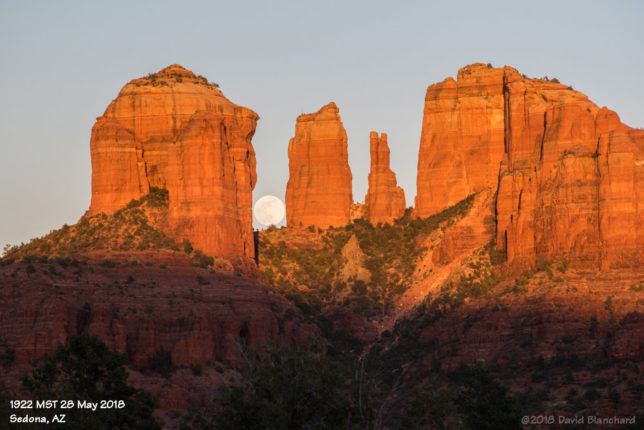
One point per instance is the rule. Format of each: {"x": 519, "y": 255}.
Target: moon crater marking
{"x": 269, "y": 210}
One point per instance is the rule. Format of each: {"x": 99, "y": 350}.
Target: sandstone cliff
{"x": 319, "y": 186}
{"x": 175, "y": 130}
{"x": 461, "y": 140}
{"x": 146, "y": 304}
{"x": 385, "y": 200}
{"x": 134, "y": 305}
{"x": 569, "y": 175}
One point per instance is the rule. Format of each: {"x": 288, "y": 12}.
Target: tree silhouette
{"x": 87, "y": 370}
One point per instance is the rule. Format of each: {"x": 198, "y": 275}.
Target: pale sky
{"x": 62, "y": 63}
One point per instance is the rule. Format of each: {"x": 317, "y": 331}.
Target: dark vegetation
{"x": 161, "y": 363}
{"x": 7, "y": 356}
{"x": 87, "y": 370}
{"x": 165, "y": 79}
{"x": 285, "y": 388}
{"x": 469, "y": 397}
{"x": 6, "y": 396}
{"x": 281, "y": 388}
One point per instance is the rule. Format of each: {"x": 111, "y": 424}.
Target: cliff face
{"x": 118, "y": 169}
{"x": 145, "y": 303}
{"x": 319, "y": 186}
{"x": 569, "y": 175}
{"x": 196, "y": 324}
{"x": 211, "y": 175}
{"x": 461, "y": 142}
{"x": 174, "y": 130}
{"x": 385, "y": 200}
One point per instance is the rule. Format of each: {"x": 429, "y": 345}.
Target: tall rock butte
{"x": 385, "y": 201}
{"x": 175, "y": 130}
{"x": 318, "y": 192}
{"x": 569, "y": 175}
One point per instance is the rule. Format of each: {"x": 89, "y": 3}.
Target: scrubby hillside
{"x": 359, "y": 266}
{"x": 136, "y": 227}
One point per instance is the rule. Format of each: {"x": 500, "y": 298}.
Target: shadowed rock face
{"x": 385, "y": 200}
{"x": 142, "y": 308}
{"x": 174, "y": 130}
{"x": 569, "y": 175}
{"x": 199, "y": 321}
{"x": 319, "y": 186}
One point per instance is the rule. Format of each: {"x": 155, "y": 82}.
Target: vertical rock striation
{"x": 118, "y": 169}
{"x": 319, "y": 187}
{"x": 175, "y": 130}
{"x": 210, "y": 178}
{"x": 385, "y": 201}
{"x": 569, "y": 175}
{"x": 461, "y": 142}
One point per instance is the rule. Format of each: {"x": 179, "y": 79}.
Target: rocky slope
{"x": 169, "y": 316}
{"x": 567, "y": 343}
{"x": 568, "y": 174}
{"x": 319, "y": 187}
{"x": 385, "y": 201}
{"x": 176, "y": 131}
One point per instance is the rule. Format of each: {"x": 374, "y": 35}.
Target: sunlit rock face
{"x": 385, "y": 200}
{"x": 462, "y": 138}
{"x": 569, "y": 175}
{"x": 319, "y": 187}
{"x": 175, "y": 130}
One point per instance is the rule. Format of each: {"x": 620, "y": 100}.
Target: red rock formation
{"x": 461, "y": 142}
{"x": 211, "y": 174}
{"x": 139, "y": 309}
{"x": 385, "y": 201}
{"x": 620, "y": 158}
{"x": 549, "y": 323}
{"x": 568, "y": 174}
{"x": 174, "y": 130}
{"x": 319, "y": 186}
{"x": 118, "y": 169}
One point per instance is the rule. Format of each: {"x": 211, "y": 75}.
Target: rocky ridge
{"x": 318, "y": 192}
{"x": 568, "y": 174}
{"x": 385, "y": 201}
{"x": 174, "y": 130}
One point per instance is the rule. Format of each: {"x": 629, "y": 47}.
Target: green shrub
{"x": 161, "y": 363}
{"x": 202, "y": 260}
{"x": 637, "y": 287}
{"x": 592, "y": 395}
{"x": 187, "y": 246}
{"x": 7, "y": 356}
{"x": 196, "y": 369}
{"x": 496, "y": 256}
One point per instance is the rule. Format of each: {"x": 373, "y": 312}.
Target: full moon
{"x": 269, "y": 210}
